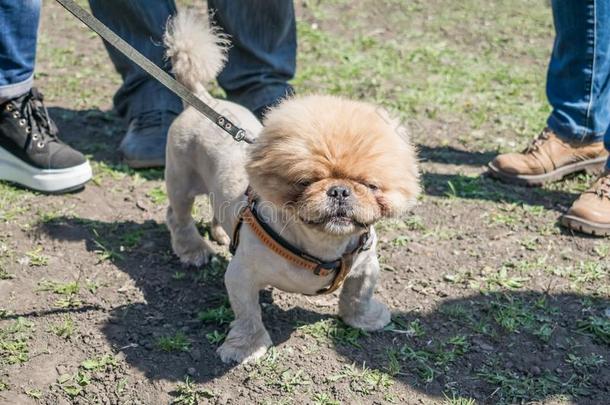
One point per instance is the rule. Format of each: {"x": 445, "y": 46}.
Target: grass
{"x": 429, "y": 363}
{"x": 89, "y": 371}
{"x": 64, "y": 329}
{"x": 14, "y": 342}
{"x": 68, "y": 292}
{"x": 222, "y": 315}
{"x": 175, "y": 343}
{"x": 514, "y": 388}
{"x": 363, "y": 380}
{"x": 36, "y": 258}
{"x": 597, "y": 327}
{"x": 187, "y": 393}
{"x": 335, "y": 331}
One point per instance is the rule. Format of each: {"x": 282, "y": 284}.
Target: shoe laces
{"x": 602, "y": 186}
{"x": 538, "y": 141}
{"x": 37, "y": 118}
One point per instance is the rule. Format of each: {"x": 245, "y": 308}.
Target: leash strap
{"x": 155, "y": 71}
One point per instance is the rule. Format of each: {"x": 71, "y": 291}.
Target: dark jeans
{"x": 261, "y": 60}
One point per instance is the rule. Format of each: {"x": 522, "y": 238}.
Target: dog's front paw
{"x": 373, "y": 317}
{"x": 245, "y": 349}
{"x": 197, "y": 253}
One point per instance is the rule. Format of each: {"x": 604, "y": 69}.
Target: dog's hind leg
{"x": 357, "y": 307}
{"x": 187, "y": 243}
{"x": 248, "y": 339}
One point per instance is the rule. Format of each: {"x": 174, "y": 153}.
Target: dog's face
{"x": 336, "y": 165}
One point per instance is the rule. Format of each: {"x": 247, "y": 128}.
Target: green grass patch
{"x": 335, "y": 331}
{"x": 175, "y": 343}
{"x": 14, "y": 339}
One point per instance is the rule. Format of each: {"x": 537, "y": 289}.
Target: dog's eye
{"x": 304, "y": 183}
{"x": 372, "y": 187}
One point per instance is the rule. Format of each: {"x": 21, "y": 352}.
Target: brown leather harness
{"x": 280, "y": 246}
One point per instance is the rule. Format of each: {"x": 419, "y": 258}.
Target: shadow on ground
{"x": 451, "y": 155}
{"x": 503, "y": 347}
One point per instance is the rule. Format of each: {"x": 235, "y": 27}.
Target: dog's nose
{"x": 339, "y": 192}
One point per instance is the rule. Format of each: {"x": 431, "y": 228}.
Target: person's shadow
{"x": 505, "y": 347}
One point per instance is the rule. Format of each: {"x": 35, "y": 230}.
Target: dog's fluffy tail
{"x": 197, "y": 51}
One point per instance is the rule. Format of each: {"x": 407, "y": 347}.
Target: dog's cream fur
{"x": 308, "y": 145}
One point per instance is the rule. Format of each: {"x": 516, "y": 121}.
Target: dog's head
{"x": 337, "y": 165}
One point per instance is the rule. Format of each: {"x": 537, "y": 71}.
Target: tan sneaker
{"x": 590, "y": 213}
{"x": 548, "y": 158}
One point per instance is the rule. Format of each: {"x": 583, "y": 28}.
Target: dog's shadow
{"x": 495, "y": 347}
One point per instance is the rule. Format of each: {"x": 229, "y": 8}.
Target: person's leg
{"x": 17, "y": 46}
{"x": 262, "y": 58}
{"x": 30, "y": 151}
{"x": 578, "y": 89}
{"x": 147, "y": 106}
{"x": 579, "y": 72}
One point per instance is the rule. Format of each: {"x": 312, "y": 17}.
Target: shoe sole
{"x": 593, "y": 166}
{"x": 584, "y": 226}
{"x": 17, "y": 171}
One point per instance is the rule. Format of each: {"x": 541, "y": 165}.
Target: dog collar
{"x": 280, "y": 246}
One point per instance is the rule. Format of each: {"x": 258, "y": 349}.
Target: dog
{"x": 323, "y": 170}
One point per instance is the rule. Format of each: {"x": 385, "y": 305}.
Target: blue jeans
{"x": 261, "y": 62}
{"x": 578, "y": 82}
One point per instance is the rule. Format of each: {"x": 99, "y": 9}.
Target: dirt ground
{"x": 493, "y": 302}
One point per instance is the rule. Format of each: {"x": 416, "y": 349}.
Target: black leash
{"x": 155, "y": 71}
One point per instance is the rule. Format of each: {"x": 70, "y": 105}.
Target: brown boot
{"x": 548, "y": 158}
{"x": 591, "y": 212}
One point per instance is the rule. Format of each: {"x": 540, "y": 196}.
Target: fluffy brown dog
{"x": 324, "y": 170}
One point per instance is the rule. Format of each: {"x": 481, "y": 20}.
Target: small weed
{"x": 132, "y": 238}
{"x": 176, "y": 343}
{"x": 215, "y": 337}
{"x": 597, "y": 327}
{"x": 334, "y": 330}
{"x": 5, "y": 275}
{"x": 400, "y": 241}
{"x": 65, "y": 329}
{"x": 585, "y": 364}
{"x": 429, "y": 363}
{"x": 413, "y": 328}
{"x": 73, "y": 384}
{"x": 458, "y": 400}
{"x": 529, "y": 243}
{"x": 363, "y": 381}
{"x": 34, "y": 393}
{"x": 14, "y": 342}
{"x": 178, "y": 275}
{"x": 516, "y": 388}
{"x": 120, "y": 387}
{"x": 104, "y": 251}
{"x": 4, "y": 386}
{"x": 289, "y": 380}
{"x": 188, "y": 394}
{"x": 222, "y": 315}
{"x": 68, "y": 288}
{"x": 99, "y": 363}
{"x": 322, "y": 398}
{"x": 415, "y": 223}
{"x": 36, "y": 258}
{"x": 157, "y": 195}
{"x": 69, "y": 292}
